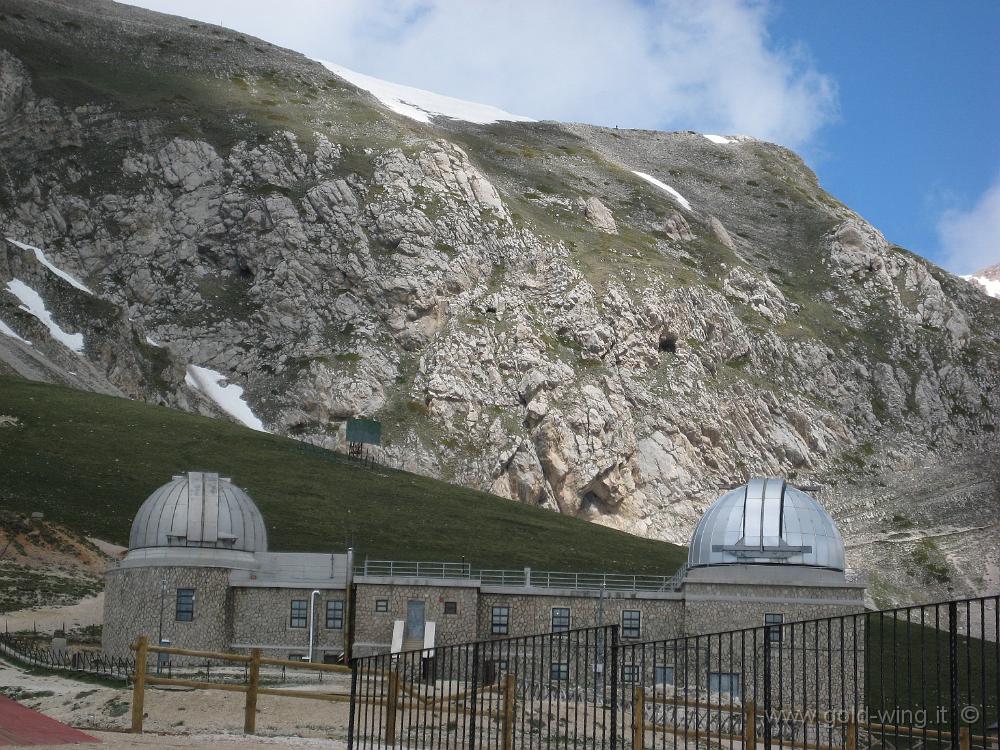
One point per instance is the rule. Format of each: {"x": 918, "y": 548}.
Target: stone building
{"x": 199, "y": 575}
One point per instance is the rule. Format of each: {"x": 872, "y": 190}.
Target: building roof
{"x": 766, "y": 521}
{"x": 199, "y": 509}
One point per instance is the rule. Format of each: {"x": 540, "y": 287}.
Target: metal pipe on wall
{"x": 312, "y": 622}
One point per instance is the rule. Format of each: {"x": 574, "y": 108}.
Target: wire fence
{"x": 91, "y": 662}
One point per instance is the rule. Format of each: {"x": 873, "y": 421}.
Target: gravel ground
{"x": 179, "y": 717}
{"x": 116, "y": 740}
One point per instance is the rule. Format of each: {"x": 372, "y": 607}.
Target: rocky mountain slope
{"x": 610, "y": 323}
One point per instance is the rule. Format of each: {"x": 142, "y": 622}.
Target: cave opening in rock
{"x": 668, "y": 344}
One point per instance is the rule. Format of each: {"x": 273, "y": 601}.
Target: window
{"x": 630, "y": 674}
{"x": 451, "y": 608}
{"x": 332, "y": 657}
{"x": 772, "y": 622}
{"x": 559, "y": 670}
{"x": 663, "y": 675}
{"x": 560, "y": 619}
{"x": 381, "y": 605}
{"x": 296, "y": 657}
{"x": 631, "y": 623}
{"x": 185, "y": 605}
{"x": 335, "y": 614}
{"x": 500, "y": 621}
{"x": 725, "y": 682}
{"x": 299, "y": 614}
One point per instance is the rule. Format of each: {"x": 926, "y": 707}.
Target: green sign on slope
{"x": 364, "y": 431}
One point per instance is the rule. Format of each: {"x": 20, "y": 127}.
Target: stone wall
{"x": 819, "y": 664}
{"x": 373, "y": 629}
{"x": 712, "y": 607}
{"x": 132, "y": 607}
{"x": 262, "y": 618}
{"x": 531, "y": 613}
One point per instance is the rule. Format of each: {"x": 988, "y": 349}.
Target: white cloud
{"x": 668, "y": 64}
{"x": 970, "y": 239}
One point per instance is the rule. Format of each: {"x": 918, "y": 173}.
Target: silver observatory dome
{"x": 200, "y": 510}
{"x": 766, "y": 521}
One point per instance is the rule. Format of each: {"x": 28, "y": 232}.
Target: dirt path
{"x": 89, "y": 611}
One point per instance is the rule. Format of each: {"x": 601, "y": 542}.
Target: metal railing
{"x": 525, "y": 577}
{"x": 414, "y": 569}
{"x": 914, "y": 677}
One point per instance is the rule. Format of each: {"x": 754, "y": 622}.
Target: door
{"x": 415, "y": 621}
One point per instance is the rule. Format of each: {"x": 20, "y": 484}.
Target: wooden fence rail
{"x": 394, "y": 701}
{"x": 252, "y": 688}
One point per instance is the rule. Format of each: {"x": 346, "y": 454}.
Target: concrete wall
{"x": 132, "y": 608}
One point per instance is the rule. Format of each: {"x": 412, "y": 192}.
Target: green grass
{"x": 22, "y": 587}
{"x": 89, "y": 461}
{"x": 907, "y": 664}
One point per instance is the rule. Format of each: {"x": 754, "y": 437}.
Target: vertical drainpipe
{"x": 349, "y": 609}
{"x": 312, "y": 621}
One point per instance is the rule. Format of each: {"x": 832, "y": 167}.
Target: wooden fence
{"x": 251, "y": 688}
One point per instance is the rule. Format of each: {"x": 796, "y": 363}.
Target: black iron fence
{"x": 925, "y": 676}
{"x": 29, "y": 652}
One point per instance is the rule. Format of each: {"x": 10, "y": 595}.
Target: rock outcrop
{"x": 520, "y": 311}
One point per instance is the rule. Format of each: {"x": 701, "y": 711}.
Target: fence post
{"x": 352, "y": 717}
{"x": 139, "y": 683}
{"x": 750, "y": 727}
{"x": 767, "y": 687}
{"x": 391, "y": 707}
{"x": 953, "y": 668}
{"x": 509, "y": 687}
{"x": 474, "y": 695}
{"x": 614, "y": 686}
{"x": 253, "y": 681}
{"x": 964, "y": 740}
{"x": 851, "y": 741}
{"x": 638, "y": 719}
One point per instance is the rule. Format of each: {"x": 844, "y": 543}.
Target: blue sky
{"x": 918, "y": 129}
{"x": 895, "y": 104}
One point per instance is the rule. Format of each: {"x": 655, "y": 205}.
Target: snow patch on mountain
{"x": 990, "y": 286}
{"x": 32, "y": 302}
{"x": 6, "y": 330}
{"x": 720, "y": 139}
{"x": 229, "y": 398}
{"x": 663, "y": 186}
{"x": 421, "y": 105}
{"x": 68, "y": 278}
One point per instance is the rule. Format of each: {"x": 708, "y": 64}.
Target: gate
{"x": 915, "y": 677}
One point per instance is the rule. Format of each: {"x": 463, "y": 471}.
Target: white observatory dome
{"x": 202, "y": 510}
{"x": 766, "y": 521}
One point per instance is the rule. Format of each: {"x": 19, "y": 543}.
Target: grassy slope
{"x": 89, "y": 461}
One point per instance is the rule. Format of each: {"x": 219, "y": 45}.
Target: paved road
{"x": 20, "y": 726}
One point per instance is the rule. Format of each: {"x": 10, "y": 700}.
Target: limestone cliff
{"x": 610, "y": 323}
